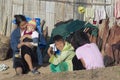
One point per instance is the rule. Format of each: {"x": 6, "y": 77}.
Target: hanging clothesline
{"x": 83, "y": 3}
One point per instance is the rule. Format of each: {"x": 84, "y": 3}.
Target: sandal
{"x": 35, "y": 71}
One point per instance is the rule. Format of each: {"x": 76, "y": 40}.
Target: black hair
{"x": 58, "y": 38}
{"x": 79, "y": 39}
{"x": 19, "y": 19}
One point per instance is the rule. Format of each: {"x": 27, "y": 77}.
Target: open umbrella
{"x": 66, "y": 29}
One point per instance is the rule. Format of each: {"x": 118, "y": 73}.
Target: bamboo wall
{"x": 51, "y": 11}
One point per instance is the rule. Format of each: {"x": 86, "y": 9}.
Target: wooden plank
{"x": 98, "y": 1}
{"x": 69, "y": 11}
{"x": 43, "y": 10}
{"x": 16, "y": 9}
{"x": 50, "y": 12}
{"x": 5, "y": 21}
{"x": 32, "y": 8}
{"x": 60, "y": 12}
{"x": 36, "y": 8}
{"x": 2, "y": 4}
{"x": 18, "y": 2}
{"x": 1, "y": 15}
{"x": 28, "y": 7}
{"x": 9, "y": 17}
{"x": 75, "y": 12}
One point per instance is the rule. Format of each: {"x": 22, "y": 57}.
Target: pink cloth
{"x": 91, "y": 55}
{"x": 117, "y": 9}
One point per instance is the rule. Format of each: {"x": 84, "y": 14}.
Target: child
{"x": 63, "y": 61}
{"x": 88, "y": 53}
{"x": 30, "y": 35}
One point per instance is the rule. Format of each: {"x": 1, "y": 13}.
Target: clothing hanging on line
{"x": 109, "y": 11}
{"x": 117, "y": 9}
{"x": 99, "y": 13}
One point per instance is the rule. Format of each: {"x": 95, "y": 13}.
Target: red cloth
{"x": 27, "y": 32}
{"x": 94, "y": 22}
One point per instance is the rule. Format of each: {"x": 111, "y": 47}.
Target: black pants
{"x": 20, "y": 62}
{"x": 77, "y": 64}
{"x": 31, "y": 52}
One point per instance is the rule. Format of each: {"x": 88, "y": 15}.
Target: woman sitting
{"x": 88, "y": 53}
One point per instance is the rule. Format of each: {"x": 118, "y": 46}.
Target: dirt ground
{"x": 10, "y": 72}
{"x": 109, "y": 73}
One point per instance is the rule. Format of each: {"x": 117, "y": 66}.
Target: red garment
{"x": 94, "y": 22}
{"x": 30, "y": 33}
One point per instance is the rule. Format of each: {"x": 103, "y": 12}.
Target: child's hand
{"x": 50, "y": 51}
{"x": 23, "y": 37}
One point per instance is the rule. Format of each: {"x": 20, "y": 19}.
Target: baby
{"x": 30, "y": 34}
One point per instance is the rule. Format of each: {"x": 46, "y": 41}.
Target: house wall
{"x": 52, "y": 11}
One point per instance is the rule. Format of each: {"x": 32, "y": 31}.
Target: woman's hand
{"x": 21, "y": 39}
{"x": 28, "y": 36}
{"x": 25, "y": 36}
{"x": 20, "y": 44}
{"x": 28, "y": 44}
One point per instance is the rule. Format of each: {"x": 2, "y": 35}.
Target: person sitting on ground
{"x": 63, "y": 61}
{"x": 21, "y": 65}
{"x": 88, "y": 53}
{"x": 31, "y": 35}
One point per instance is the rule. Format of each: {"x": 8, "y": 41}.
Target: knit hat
{"x": 32, "y": 23}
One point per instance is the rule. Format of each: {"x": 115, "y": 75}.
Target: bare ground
{"x": 109, "y": 73}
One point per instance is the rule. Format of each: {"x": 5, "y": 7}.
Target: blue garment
{"x": 57, "y": 52}
{"x": 42, "y": 42}
{"x": 40, "y": 56}
{"x": 38, "y": 25}
{"x": 15, "y": 40}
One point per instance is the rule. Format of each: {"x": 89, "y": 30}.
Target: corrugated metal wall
{"x": 51, "y": 11}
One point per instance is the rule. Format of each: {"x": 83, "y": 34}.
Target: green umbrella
{"x": 66, "y": 29}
